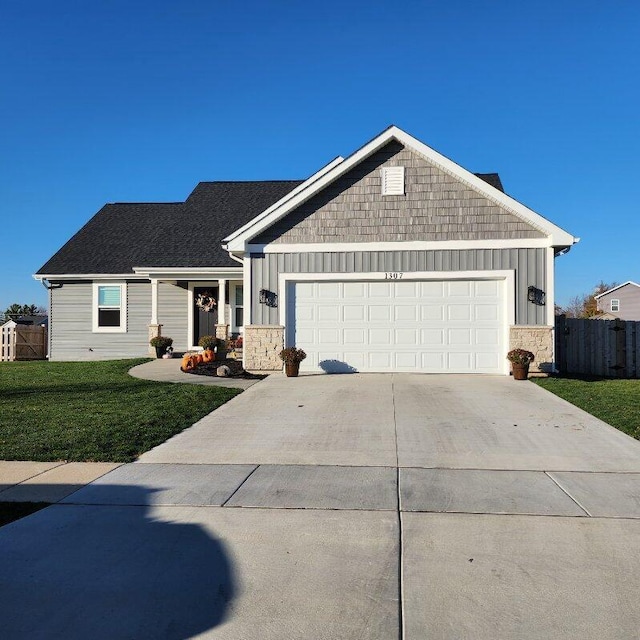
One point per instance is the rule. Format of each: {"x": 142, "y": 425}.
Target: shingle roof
{"x": 122, "y": 236}
{"x": 493, "y": 179}
{"x": 179, "y": 234}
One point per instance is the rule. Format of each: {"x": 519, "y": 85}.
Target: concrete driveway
{"x": 355, "y": 506}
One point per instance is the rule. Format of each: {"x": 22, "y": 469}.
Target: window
{"x": 109, "y": 307}
{"x": 393, "y": 181}
{"x": 615, "y": 304}
{"x": 239, "y": 311}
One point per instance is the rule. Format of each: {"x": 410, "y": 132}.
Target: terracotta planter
{"x": 292, "y": 369}
{"x": 520, "y": 371}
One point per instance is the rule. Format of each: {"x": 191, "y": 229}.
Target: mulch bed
{"x": 211, "y": 369}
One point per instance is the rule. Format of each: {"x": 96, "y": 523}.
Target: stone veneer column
{"x": 538, "y": 340}
{"x": 154, "y": 330}
{"x": 261, "y": 347}
{"x": 222, "y": 331}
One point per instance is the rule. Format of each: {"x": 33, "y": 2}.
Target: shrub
{"x": 291, "y": 354}
{"x": 208, "y": 342}
{"x": 520, "y": 356}
{"x": 163, "y": 342}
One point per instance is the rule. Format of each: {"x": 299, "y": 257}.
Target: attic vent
{"x": 393, "y": 181}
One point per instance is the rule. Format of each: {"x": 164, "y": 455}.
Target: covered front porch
{"x": 187, "y": 304}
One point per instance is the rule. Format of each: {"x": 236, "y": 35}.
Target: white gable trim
{"x": 624, "y": 284}
{"x": 417, "y": 245}
{"x": 237, "y": 241}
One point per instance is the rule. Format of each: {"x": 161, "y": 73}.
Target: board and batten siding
{"x": 173, "y": 302}
{"x": 71, "y": 323}
{"x": 529, "y": 266}
{"x": 435, "y": 206}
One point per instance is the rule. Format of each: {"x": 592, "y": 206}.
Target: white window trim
{"x": 123, "y": 307}
{"x": 233, "y": 285}
{"x": 615, "y": 301}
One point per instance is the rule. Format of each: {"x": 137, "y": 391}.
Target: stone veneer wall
{"x": 538, "y": 340}
{"x": 261, "y": 346}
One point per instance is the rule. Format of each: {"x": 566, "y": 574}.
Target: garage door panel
{"x": 434, "y": 361}
{"x": 379, "y": 313}
{"x": 354, "y": 313}
{"x": 328, "y": 313}
{"x": 405, "y": 289}
{"x": 406, "y": 337}
{"x": 459, "y": 312}
{"x": 380, "y": 361}
{"x": 406, "y": 360}
{"x": 354, "y": 336}
{"x": 329, "y": 290}
{"x": 404, "y": 312}
{"x": 380, "y": 337}
{"x": 432, "y": 289}
{"x": 432, "y": 312}
{"x": 432, "y": 337}
{"x": 329, "y": 336}
{"x": 458, "y": 288}
{"x": 458, "y": 337}
{"x": 488, "y": 312}
{"x": 379, "y": 289}
{"x": 429, "y": 326}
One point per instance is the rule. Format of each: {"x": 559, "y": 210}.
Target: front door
{"x": 205, "y": 316}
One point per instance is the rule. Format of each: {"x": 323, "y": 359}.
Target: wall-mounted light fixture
{"x": 537, "y": 296}
{"x": 269, "y": 298}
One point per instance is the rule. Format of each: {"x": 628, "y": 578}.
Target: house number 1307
{"x": 393, "y": 275}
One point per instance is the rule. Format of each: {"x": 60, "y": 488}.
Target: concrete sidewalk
{"x": 328, "y": 507}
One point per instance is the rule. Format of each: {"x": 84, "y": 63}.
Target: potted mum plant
{"x": 292, "y": 358}
{"x": 161, "y": 344}
{"x": 520, "y": 360}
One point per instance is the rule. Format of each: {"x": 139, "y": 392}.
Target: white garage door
{"x": 452, "y": 326}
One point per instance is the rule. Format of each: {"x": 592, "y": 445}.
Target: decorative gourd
{"x": 187, "y": 363}
{"x": 208, "y": 356}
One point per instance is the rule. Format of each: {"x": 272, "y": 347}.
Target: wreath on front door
{"x": 205, "y": 301}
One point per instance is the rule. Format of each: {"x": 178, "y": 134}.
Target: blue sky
{"x": 138, "y": 101}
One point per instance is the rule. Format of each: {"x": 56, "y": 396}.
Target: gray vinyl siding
{"x": 529, "y": 266}
{"x": 436, "y": 206}
{"x": 629, "y": 297}
{"x": 173, "y": 304}
{"x": 71, "y": 322}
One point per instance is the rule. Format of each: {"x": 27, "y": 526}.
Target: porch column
{"x": 155, "y": 329}
{"x": 222, "y": 330}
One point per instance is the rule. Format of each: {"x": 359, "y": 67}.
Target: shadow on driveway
{"x": 111, "y": 572}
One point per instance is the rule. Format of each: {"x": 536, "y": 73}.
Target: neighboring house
{"x": 622, "y": 302}
{"x": 33, "y": 321}
{"x": 393, "y": 259}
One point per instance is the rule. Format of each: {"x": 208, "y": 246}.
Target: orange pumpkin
{"x": 186, "y": 363}
{"x": 208, "y": 356}
{"x": 197, "y": 359}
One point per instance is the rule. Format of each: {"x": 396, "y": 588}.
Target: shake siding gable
{"x": 436, "y": 206}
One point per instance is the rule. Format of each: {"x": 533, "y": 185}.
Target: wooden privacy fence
{"x": 606, "y": 348}
{"x": 23, "y": 343}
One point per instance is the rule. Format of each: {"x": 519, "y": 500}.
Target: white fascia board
{"x": 230, "y": 243}
{"x": 90, "y": 276}
{"x": 624, "y": 284}
{"x": 558, "y": 236}
{"x": 417, "y": 245}
{"x": 189, "y": 273}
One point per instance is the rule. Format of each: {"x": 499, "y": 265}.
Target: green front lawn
{"x": 614, "y": 401}
{"x": 93, "y": 411}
